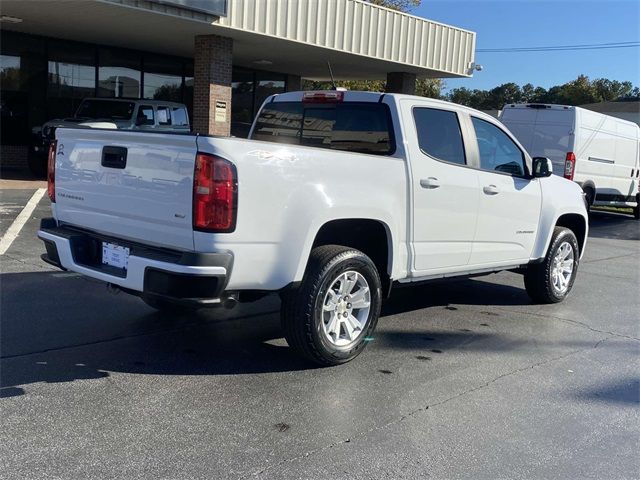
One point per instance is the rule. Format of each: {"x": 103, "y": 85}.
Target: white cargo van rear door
{"x": 553, "y": 136}
{"x": 129, "y": 185}
{"x": 543, "y": 131}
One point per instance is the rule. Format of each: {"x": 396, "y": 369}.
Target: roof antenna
{"x": 333, "y": 82}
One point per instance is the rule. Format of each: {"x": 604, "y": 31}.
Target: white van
{"x": 599, "y": 152}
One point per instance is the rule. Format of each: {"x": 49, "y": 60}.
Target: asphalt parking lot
{"x": 462, "y": 380}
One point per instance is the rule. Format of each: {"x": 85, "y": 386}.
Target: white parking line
{"x": 20, "y": 221}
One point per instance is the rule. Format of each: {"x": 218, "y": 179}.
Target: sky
{"x": 533, "y": 23}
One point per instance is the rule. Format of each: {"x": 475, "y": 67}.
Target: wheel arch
{"x": 577, "y": 224}
{"x": 371, "y": 236}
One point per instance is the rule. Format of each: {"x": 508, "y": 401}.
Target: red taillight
{"x": 569, "y": 166}
{"x": 215, "y": 195}
{"x": 333, "y": 96}
{"x": 51, "y": 170}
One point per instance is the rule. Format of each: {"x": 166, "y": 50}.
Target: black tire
{"x": 636, "y": 210}
{"x": 538, "y": 278}
{"x": 167, "y": 306}
{"x": 302, "y": 308}
{"x": 590, "y": 197}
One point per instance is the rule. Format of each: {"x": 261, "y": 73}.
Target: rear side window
{"x": 351, "y": 127}
{"x": 497, "y": 151}
{"x": 439, "y": 134}
{"x": 179, "y": 117}
{"x": 164, "y": 117}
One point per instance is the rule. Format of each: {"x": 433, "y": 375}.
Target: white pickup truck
{"x": 335, "y": 198}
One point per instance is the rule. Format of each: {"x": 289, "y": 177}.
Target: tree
{"x": 400, "y": 5}
{"x": 461, "y": 96}
{"x": 429, "y": 87}
{"x": 503, "y": 94}
{"x": 576, "y": 92}
{"x": 633, "y": 95}
{"x": 606, "y": 90}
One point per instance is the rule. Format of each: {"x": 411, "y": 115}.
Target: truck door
{"x": 510, "y": 201}
{"x": 445, "y": 191}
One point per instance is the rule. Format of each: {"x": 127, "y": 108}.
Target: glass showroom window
{"x": 162, "y": 79}
{"x": 119, "y": 74}
{"x": 267, "y": 84}
{"x": 10, "y": 75}
{"x": 71, "y": 77}
{"x": 241, "y": 102}
{"x": 187, "y": 97}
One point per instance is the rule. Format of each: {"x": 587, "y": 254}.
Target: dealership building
{"x": 221, "y": 58}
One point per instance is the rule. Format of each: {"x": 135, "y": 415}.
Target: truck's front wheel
{"x": 330, "y": 317}
{"x": 552, "y": 280}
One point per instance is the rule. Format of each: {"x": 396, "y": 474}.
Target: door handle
{"x": 114, "y": 157}
{"x": 491, "y": 190}
{"x": 431, "y": 182}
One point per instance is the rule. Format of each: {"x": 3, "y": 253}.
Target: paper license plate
{"x": 115, "y": 255}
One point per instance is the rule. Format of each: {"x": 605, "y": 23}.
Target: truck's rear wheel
{"x": 552, "y": 280}
{"x": 636, "y": 210}
{"x": 330, "y": 317}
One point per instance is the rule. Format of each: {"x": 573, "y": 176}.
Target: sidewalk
{"x": 20, "y": 180}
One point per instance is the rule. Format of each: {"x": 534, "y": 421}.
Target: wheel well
{"x": 576, "y": 224}
{"x": 368, "y": 236}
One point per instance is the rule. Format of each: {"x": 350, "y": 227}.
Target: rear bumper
{"x": 189, "y": 278}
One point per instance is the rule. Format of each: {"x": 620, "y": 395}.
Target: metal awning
{"x": 362, "y": 41}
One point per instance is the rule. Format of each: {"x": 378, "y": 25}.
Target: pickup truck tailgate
{"x": 129, "y": 185}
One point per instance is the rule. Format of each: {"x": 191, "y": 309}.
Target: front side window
{"x": 352, "y": 127}
{"x": 179, "y": 116}
{"x": 497, "y": 151}
{"x": 439, "y": 134}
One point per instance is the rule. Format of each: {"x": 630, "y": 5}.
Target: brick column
{"x": 400, "y": 82}
{"x": 212, "y": 65}
{"x": 294, "y": 83}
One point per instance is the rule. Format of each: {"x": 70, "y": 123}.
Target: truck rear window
{"x": 105, "y": 109}
{"x": 352, "y": 127}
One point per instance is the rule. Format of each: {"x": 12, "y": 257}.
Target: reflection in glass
{"x": 187, "y": 98}
{"x": 119, "y": 74}
{"x": 71, "y": 80}
{"x": 163, "y": 87}
{"x": 241, "y": 102}
{"x": 10, "y": 76}
{"x": 267, "y": 87}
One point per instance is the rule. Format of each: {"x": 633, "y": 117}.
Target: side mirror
{"x": 542, "y": 167}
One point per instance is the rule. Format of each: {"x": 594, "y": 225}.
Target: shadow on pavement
{"x": 613, "y": 226}
{"x": 461, "y": 292}
{"x": 625, "y": 391}
{"x": 58, "y": 327}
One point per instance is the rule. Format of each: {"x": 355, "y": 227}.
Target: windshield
{"x": 105, "y": 109}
